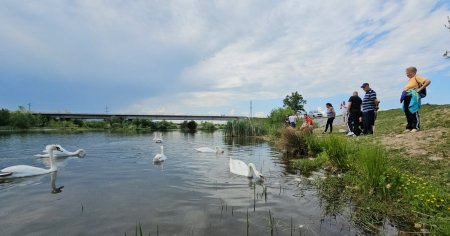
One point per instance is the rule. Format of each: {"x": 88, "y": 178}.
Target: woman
{"x": 330, "y": 115}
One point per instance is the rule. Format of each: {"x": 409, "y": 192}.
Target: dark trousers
{"x": 413, "y": 119}
{"x": 329, "y": 123}
{"x": 353, "y": 122}
{"x": 368, "y": 121}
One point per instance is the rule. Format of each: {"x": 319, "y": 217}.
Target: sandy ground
{"x": 422, "y": 143}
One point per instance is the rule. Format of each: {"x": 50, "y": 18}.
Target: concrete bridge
{"x": 64, "y": 116}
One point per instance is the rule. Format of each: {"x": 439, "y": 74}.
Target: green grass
{"x": 306, "y": 166}
{"x": 381, "y": 181}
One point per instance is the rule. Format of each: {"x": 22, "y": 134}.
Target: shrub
{"x": 208, "y": 126}
{"x": 4, "y": 117}
{"x": 294, "y": 142}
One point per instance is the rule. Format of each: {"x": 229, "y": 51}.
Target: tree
{"x": 294, "y": 101}
{"x": 278, "y": 115}
{"x": 4, "y": 117}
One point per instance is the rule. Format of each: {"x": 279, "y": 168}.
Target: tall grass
{"x": 242, "y": 128}
{"x": 337, "y": 149}
{"x": 373, "y": 173}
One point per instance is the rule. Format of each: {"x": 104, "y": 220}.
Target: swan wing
{"x": 239, "y": 167}
{"x": 24, "y": 171}
{"x": 205, "y": 149}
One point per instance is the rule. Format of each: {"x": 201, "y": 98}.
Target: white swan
{"x": 158, "y": 139}
{"x": 62, "y": 152}
{"x": 160, "y": 157}
{"x": 240, "y": 168}
{"x": 207, "y": 149}
{"x": 25, "y": 171}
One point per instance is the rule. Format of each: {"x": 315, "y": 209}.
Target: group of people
{"x": 360, "y": 114}
{"x": 307, "y": 125}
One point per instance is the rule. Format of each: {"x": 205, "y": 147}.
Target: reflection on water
{"x": 55, "y": 189}
{"x": 191, "y": 193}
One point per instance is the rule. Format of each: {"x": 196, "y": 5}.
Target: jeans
{"x": 368, "y": 121}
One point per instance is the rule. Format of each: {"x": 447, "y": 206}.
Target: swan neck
{"x": 52, "y": 160}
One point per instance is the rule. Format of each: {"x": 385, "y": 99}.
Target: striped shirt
{"x": 368, "y": 103}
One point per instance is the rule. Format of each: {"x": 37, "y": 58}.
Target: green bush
{"x": 21, "y": 120}
{"x": 4, "y": 117}
{"x": 208, "y": 126}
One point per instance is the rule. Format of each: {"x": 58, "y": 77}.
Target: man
{"x": 369, "y": 107}
{"x": 354, "y": 108}
{"x": 293, "y": 120}
{"x": 414, "y": 82}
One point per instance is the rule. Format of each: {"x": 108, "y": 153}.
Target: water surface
{"x": 117, "y": 186}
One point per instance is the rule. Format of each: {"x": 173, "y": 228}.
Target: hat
{"x": 364, "y": 85}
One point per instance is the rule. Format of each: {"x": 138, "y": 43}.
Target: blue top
{"x": 415, "y": 103}
{"x": 368, "y": 103}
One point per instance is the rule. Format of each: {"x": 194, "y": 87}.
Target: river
{"x": 116, "y": 186}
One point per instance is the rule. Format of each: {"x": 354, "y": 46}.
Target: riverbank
{"x": 402, "y": 178}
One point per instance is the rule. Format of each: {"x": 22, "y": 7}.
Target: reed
{"x": 248, "y": 224}
{"x": 243, "y": 128}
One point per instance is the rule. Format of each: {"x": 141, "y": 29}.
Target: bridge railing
{"x": 135, "y": 116}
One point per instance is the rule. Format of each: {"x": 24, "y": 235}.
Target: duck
{"x": 207, "y": 149}
{"x": 62, "y": 153}
{"x": 19, "y": 171}
{"x": 160, "y": 157}
{"x": 249, "y": 170}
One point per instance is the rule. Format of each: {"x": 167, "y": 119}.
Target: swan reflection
{"x": 55, "y": 189}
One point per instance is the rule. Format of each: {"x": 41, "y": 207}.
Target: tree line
{"x": 21, "y": 119}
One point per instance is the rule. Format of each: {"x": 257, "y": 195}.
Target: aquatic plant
{"x": 240, "y": 128}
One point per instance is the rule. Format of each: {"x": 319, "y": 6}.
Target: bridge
{"x": 85, "y": 116}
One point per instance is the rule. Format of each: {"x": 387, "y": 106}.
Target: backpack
{"x": 423, "y": 92}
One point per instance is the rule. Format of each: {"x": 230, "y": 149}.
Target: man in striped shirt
{"x": 369, "y": 107}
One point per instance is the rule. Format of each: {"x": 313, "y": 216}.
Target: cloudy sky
{"x": 214, "y": 57}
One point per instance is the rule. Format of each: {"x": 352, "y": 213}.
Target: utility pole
{"x": 106, "y": 109}
{"x": 29, "y": 107}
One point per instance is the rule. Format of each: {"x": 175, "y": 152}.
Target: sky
{"x": 206, "y": 57}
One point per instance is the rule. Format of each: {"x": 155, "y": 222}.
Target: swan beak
{"x": 57, "y": 148}
{"x": 261, "y": 177}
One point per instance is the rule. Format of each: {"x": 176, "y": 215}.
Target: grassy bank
{"x": 404, "y": 177}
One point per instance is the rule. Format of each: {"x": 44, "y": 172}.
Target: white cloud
{"x": 213, "y": 57}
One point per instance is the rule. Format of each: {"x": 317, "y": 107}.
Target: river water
{"x": 116, "y": 186}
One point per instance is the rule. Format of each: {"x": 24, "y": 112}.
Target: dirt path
{"x": 423, "y": 143}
